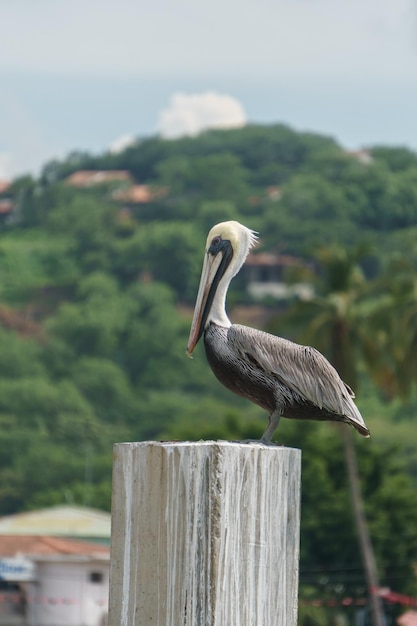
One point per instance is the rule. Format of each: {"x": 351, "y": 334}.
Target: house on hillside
{"x": 51, "y": 581}
{"x": 6, "y": 202}
{"x": 90, "y": 178}
{"x": 139, "y": 194}
{"x": 264, "y": 274}
{"x": 6, "y": 208}
{"x": 362, "y": 156}
{"x": 4, "y": 186}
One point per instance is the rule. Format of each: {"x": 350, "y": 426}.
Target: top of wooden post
{"x": 204, "y": 532}
{"x": 209, "y": 443}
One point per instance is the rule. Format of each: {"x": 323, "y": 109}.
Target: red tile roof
{"x": 21, "y": 323}
{"x": 4, "y": 185}
{"x": 40, "y": 545}
{"x": 138, "y": 194}
{"x": 88, "y": 178}
{"x": 6, "y": 206}
{"x": 274, "y": 192}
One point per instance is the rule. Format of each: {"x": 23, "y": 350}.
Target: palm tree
{"x": 335, "y": 321}
{"x": 394, "y": 320}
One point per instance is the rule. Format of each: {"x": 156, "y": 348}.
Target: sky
{"x": 93, "y": 75}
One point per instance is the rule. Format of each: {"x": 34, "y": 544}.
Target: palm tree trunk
{"x": 368, "y": 558}
{"x": 342, "y": 359}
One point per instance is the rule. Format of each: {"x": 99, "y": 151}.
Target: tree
{"x": 213, "y": 177}
{"x": 88, "y": 222}
{"x": 394, "y": 321}
{"x": 397, "y": 158}
{"x": 94, "y": 325}
{"x": 107, "y": 388}
{"x": 153, "y": 345}
{"x": 341, "y": 322}
{"x": 167, "y": 252}
{"x": 211, "y": 212}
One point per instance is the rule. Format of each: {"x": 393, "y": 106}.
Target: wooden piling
{"x": 204, "y": 534}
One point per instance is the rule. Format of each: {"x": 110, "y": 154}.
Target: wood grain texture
{"x": 204, "y": 534}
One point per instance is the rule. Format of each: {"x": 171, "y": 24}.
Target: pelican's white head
{"x": 241, "y": 238}
{"x": 227, "y": 247}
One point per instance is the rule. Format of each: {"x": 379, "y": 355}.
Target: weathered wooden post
{"x": 204, "y": 534}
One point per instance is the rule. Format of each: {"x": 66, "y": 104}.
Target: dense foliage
{"x": 95, "y": 309}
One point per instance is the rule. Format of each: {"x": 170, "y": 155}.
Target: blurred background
{"x": 92, "y": 76}
{"x": 126, "y": 131}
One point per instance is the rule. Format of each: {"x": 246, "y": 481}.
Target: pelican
{"x": 284, "y": 378}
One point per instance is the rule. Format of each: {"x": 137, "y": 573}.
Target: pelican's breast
{"x": 236, "y": 371}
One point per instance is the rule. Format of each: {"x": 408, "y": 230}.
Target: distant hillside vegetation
{"x": 99, "y": 265}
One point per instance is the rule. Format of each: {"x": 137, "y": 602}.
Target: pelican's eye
{"x": 216, "y": 245}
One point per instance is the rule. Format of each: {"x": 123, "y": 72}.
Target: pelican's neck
{"x": 239, "y": 240}
{"x": 218, "y": 313}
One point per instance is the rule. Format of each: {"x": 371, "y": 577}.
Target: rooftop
{"x": 138, "y": 194}
{"x": 272, "y": 260}
{"x": 88, "y": 178}
{"x": 44, "y": 546}
{"x": 63, "y": 521}
{"x": 6, "y": 205}
{"x": 4, "y": 185}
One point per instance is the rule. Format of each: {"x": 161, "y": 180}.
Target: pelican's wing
{"x": 301, "y": 368}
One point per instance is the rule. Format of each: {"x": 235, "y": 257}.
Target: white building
{"x": 265, "y": 275}
{"x": 50, "y": 580}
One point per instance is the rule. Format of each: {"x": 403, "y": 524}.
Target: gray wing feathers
{"x": 301, "y": 368}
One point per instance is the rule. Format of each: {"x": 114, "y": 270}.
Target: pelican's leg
{"x": 272, "y": 426}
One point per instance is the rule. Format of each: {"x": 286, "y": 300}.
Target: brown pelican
{"x": 282, "y": 377}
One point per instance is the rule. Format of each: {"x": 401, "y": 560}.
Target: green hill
{"x": 97, "y": 281}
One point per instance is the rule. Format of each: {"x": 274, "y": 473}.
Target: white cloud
{"x": 121, "y": 143}
{"x": 190, "y": 114}
{"x": 345, "y": 68}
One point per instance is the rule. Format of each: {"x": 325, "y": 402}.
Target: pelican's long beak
{"x": 210, "y": 275}
{"x": 215, "y": 265}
